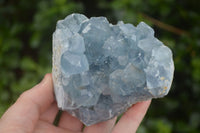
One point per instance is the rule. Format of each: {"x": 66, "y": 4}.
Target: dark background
{"x": 26, "y": 28}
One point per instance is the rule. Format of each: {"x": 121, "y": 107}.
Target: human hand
{"x": 36, "y": 109}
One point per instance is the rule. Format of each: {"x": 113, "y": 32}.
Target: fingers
{"x": 44, "y": 127}
{"x": 130, "y": 121}
{"x": 103, "y": 127}
{"x": 69, "y": 122}
{"x": 27, "y": 109}
{"x": 50, "y": 114}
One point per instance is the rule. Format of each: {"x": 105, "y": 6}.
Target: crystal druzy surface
{"x": 100, "y": 69}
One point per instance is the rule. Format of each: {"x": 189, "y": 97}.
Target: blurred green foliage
{"x": 26, "y": 29}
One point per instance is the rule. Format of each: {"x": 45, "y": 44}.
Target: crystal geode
{"x": 100, "y": 69}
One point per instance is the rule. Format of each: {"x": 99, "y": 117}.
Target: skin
{"x": 35, "y": 110}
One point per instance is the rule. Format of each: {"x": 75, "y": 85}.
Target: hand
{"x": 36, "y": 109}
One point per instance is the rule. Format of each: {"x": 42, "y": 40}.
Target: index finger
{"x": 28, "y": 107}
{"x": 40, "y": 96}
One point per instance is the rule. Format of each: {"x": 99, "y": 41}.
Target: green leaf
{"x": 28, "y": 64}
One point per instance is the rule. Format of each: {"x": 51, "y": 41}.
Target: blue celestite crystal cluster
{"x": 100, "y": 69}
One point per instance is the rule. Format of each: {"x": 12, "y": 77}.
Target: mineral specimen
{"x": 100, "y": 69}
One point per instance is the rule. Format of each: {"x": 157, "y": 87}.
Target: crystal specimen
{"x": 100, "y": 69}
